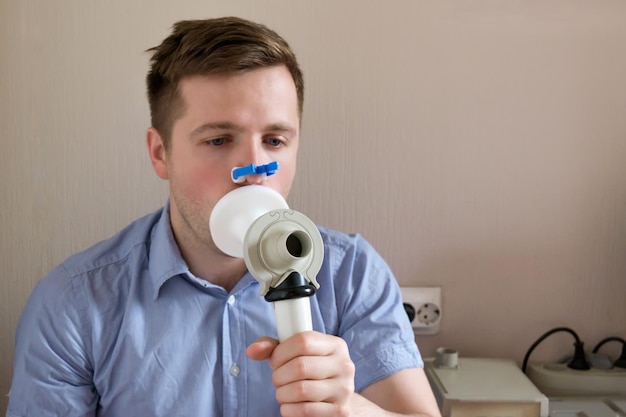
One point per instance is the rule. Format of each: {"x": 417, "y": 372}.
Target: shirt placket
{"x": 233, "y": 362}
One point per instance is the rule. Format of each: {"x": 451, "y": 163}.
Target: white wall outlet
{"x": 423, "y": 304}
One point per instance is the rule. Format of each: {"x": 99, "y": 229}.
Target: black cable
{"x": 578, "y": 361}
{"x": 621, "y": 361}
{"x": 608, "y": 339}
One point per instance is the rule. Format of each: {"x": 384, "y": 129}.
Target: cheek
{"x": 286, "y": 177}
{"x": 201, "y": 179}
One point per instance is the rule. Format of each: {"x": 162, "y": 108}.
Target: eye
{"x": 216, "y": 141}
{"x": 275, "y": 142}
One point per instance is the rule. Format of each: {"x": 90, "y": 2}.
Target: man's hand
{"x": 312, "y": 372}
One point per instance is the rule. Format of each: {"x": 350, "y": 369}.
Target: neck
{"x": 225, "y": 272}
{"x": 205, "y": 261}
{"x": 216, "y": 268}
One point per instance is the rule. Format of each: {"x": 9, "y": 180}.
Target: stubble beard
{"x": 191, "y": 224}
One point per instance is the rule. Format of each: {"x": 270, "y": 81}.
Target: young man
{"x": 157, "y": 321}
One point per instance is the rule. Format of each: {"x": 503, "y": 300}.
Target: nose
{"x": 246, "y": 175}
{"x": 253, "y": 174}
{"x": 249, "y": 155}
{"x": 254, "y": 179}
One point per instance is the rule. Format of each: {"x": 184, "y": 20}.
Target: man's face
{"x": 229, "y": 121}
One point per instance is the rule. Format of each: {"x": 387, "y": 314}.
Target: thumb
{"x": 262, "y": 348}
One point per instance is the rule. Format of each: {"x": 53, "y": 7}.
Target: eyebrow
{"x": 208, "y": 127}
{"x": 280, "y": 127}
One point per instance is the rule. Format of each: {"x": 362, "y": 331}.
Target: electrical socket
{"x": 424, "y": 304}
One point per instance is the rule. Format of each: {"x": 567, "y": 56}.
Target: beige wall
{"x": 479, "y": 145}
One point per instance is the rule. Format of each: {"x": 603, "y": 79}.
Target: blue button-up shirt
{"x": 125, "y": 329}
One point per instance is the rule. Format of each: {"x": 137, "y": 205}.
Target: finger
{"x": 262, "y": 348}
{"x": 304, "y": 344}
{"x": 314, "y": 368}
{"x": 336, "y": 390}
{"x": 314, "y": 409}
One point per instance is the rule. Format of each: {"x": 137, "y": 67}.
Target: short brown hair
{"x": 224, "y": 45}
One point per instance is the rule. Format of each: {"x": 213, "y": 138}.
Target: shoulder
{"x": 115, "y": 248}
{"x": 104, "y": 261}
{"x": 92, "y": 280}
{"x": 352, "y": 269}
{"x": 345, "y": 243}
{"x": 350, "y": 250}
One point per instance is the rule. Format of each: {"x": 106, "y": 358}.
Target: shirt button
{"x": 234, "y": 370}
{"x": 231, "y": 300}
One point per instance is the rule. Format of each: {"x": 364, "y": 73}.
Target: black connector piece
{"x": 579, "y": 361}
{"x": 294, "y": 286}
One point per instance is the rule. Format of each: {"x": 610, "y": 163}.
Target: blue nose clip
{"x": 238, "y": 174}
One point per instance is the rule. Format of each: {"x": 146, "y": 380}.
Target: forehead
{"x": 265, "y": 93}
{"x": 267, "y": 81}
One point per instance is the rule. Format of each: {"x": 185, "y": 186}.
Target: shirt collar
{"x": 165, "y": 258}
{"x": 166, "y": 261}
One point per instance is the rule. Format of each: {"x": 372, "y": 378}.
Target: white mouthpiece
{"x": 234, "y": 213}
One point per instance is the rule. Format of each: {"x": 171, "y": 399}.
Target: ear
{"x": 158, "y": 155}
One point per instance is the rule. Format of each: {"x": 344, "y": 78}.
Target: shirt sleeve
{"x": 52, "y": 375}
{"x": 370, "y": 315}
